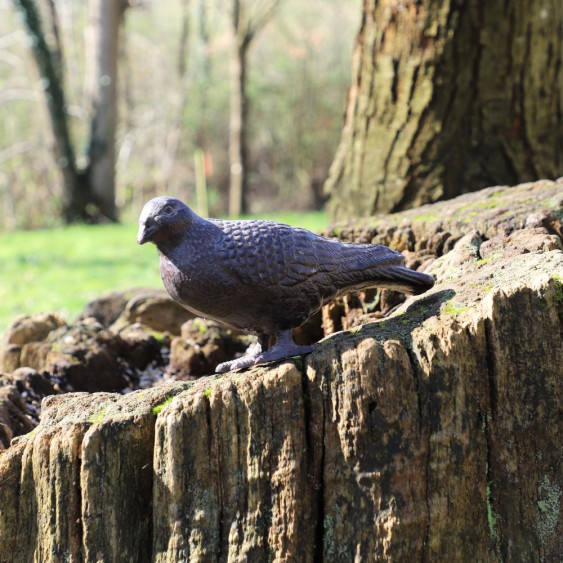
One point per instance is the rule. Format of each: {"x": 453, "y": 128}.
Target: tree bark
{"x": 237, "y": 131}
{"x": 247, "y": 19}
{"x": 449, "y": 98}
{"x": 107, "y": 17}
{"x": 89, "y": 193}
{"x": 48, "y": 64}
{"x": 204, "y": 62}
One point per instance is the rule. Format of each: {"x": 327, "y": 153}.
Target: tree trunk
{"x": 88, "y": 194}
{"x": 247, "y": 19}
{"x": 107, "y": 17}
{"x": 237, "y": 130}
{"x": 50, "y": 69}
{"x": 449, "y": 98}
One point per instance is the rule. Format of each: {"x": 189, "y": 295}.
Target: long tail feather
{"x": 400, "y": 278}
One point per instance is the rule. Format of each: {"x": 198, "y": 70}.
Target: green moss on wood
{"x": 490, "y": 258}
{"x": 202, "y": 329}
{"x": 558, "y": 284}
{"x": 298, "y": 361}
{"x": 158, "y": 408}
{"x": 98, "y": 416}
{"x": 160, "y": 337}
{"x": 485, "y": 260}
{"x": 475, "y": 207}
{"x": 33, "y": 432}
{"x": 427, "y": 217}
{"x": 488, "y": 288}
{"x": 328, "y": 537}
{"x": 451, "y": 309}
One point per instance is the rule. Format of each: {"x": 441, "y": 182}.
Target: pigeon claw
{"x": 240, "y": 363}
{"x": 282, "y": 352}
{"x": 283, "y": 349}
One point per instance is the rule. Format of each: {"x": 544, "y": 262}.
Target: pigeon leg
{"x": 249, "y": 358}
{"x": 259, "y": 346}
{"x": 284, "y": 347}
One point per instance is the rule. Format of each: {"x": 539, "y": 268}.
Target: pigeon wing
{"x": 269, "y": 253}
{"x": 302, "y": 270}
{"x": 361, "y": 266}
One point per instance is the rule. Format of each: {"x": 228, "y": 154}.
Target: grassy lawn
{"x": 62, "y": 269}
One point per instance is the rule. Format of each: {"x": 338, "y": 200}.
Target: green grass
{"x": 62, "y": 269}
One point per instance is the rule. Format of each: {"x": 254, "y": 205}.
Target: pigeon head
{"x": 163, "y": 219}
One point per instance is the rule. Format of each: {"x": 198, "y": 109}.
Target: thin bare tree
{"x": 89, "y": 191}
{"x": 106, "y": 19}
{"x": 247, "y": 19}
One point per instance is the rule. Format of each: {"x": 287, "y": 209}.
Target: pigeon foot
{"x": 284, "y": 348}
{"x": 252, "y": 352}
{"x": 277, "y": 353}
{"x": 240, "y": 363}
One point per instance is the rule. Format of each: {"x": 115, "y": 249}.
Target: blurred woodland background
{"x": 238, "y": 106}
{"x": 162, "y": 79}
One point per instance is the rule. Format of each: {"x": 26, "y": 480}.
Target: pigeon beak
{"x": 146, "y": 231}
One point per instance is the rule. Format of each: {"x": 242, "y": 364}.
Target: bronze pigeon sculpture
{"x": 262, "y": 277}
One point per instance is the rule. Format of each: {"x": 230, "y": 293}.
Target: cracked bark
{"x": 446, "y": 98}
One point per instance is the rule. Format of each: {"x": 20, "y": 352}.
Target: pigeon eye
{"x": 168, "y": 209}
